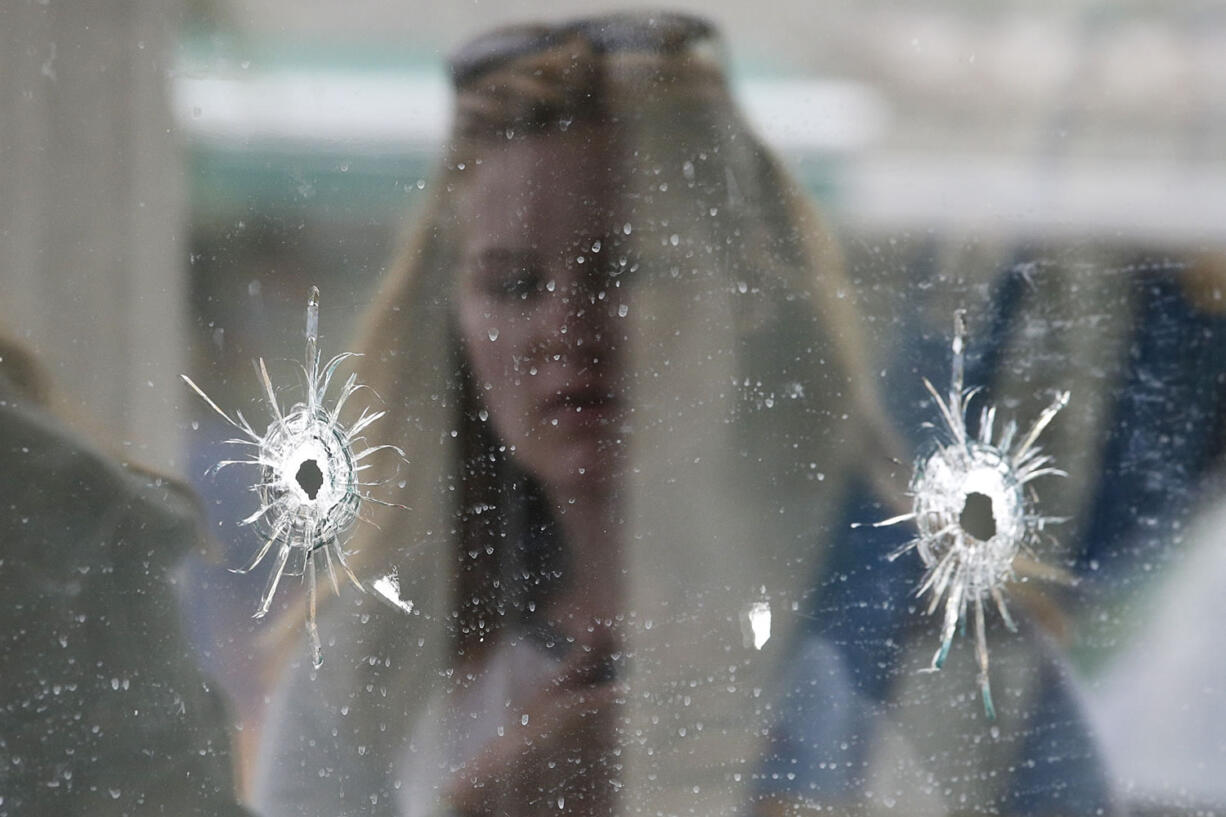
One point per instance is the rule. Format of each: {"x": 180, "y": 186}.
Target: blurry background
{"x": 174, "y": 175}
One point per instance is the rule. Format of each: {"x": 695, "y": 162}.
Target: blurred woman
{"x": 623, "y": 362}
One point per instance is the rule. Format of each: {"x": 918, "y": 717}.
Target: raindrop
{"x": 623, "y": 311}
{"x": 493, "y": 333}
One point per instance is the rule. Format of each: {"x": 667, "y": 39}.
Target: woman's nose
{"x": 571, "y": 319}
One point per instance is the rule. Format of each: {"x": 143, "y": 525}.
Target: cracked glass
{"x": 711, "y": 410}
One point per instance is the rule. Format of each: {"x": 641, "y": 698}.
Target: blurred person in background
{"x": 625, "y": 367}
{"x": 103, "y": 709}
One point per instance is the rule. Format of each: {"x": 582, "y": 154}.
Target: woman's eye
{"x": 515, "y": 283}
{"x": 521, "y": 285}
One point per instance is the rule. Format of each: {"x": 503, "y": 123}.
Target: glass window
{"x": 703, "y": 411}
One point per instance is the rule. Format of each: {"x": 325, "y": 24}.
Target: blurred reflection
{"x": 104, "y": 709}
{"x": 628, "y": 374}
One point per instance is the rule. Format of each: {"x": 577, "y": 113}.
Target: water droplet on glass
{"x": 623, "y": 311}
{"x": 493, "y": 333}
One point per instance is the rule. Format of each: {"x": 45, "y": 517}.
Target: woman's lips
{"x": 582, "y": 407}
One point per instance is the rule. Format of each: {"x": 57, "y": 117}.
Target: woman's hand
{"x": 560, "y": 749}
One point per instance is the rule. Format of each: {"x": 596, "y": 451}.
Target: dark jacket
{"x": 103, "y": 710}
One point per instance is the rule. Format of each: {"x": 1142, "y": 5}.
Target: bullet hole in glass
{"x": 977, "y": 518}
{"x": 310, "y": 478}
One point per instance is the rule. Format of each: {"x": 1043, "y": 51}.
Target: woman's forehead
{"x": 576, "y": 161}
{"x": 553, "y": 189}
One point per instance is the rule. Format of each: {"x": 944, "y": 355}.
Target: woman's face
{"x": 541, "y": 304}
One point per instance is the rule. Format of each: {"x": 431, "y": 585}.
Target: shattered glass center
{"x": 309, "y": 478}
{"x": 311, "y": 468}
{"x": 977, "y": 518}
{"x": 975, "y": 476}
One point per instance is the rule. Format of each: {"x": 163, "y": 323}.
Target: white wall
{"x": 92, "y": 215}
